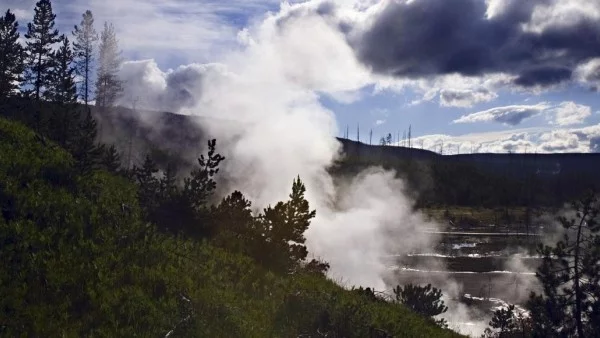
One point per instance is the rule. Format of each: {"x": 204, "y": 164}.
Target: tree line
{"x": 49, "y": 66}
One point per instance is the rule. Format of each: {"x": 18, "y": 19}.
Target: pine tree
{"x": 570, "y": 276}
{"x": 425, "y": 300}
{"x": 283, "y": 228}
{"x": 62, "y": 88}
{"x": 41, "y": 35}
{"x": 85, "y": 39}
{"x": 108, "y": 85}
{"x": 201, "y": 184}
{"x": 111, "y": 160}
{"x": 64, "y": 118}
{"x": 11, "y": 55}
{"x": 84, "y": 148}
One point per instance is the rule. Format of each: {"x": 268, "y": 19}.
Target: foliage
{"x": 175, "y": 208}
{"x": 62, "y": 88}
{"x": 424, "y": 300}
{"x": 111, "y": 159}
{"x": 201, "y": 184}
{"x": 570, "y": 276}
{"x": 79, "y": 261}
{"x": 84, "y": 147}
{"x": 11, "y": 56}
{"x": 508, "y": 323}
{"x": 282, "y": 231}
{"x": 41, "y": 35}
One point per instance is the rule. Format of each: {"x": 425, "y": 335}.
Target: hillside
{"x": 480, "y": 180}
{"x": 80, "y": 261}
{"x": 467, "y": 180}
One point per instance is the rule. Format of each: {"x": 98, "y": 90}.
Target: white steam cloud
{"x": 262, "y": 105}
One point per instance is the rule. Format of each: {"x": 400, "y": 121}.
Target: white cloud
{"x": 528, "y": 140}
{"x": 379, "y": 122}
{"x": 570, "y": 113}
{"x": 509, "y": 115}
{"x": 589, "y": 73}
{"x": 565, "y": 114}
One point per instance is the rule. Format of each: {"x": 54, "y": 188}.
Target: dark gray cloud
{"x": 465, "y": 97}
{"x": 434, "y": 37}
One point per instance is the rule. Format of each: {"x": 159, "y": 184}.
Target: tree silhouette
{"x": 201, "y": 184}
{"x": 83, "y": 46}
{"x": 283, "y": 227}
{"x": 11, "y": 55}
{"x": 41, "y": 36}
{"x": 425, "y": 300}
{"x": 62, "y": 88}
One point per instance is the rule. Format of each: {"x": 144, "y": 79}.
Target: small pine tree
{"x": 111, "y": 160}
{"x": 233, "y": 224}
{"x": 11, "y": 56}
{"x": 508, "y": 323}
{"x": 425, "y": 300}
{"x": 83, "y": 46}
{"x": 201, "y": 184}
{"x": 41, "y": 36}
{"x": 148, "y": 184}
{"x": 84, "y": 148}
{"x": 283, "y": 228}
{"x": 108, "y": 84}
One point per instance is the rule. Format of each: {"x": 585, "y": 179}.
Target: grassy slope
{"x": 88, "y": 282}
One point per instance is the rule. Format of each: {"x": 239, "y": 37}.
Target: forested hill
{"x": 488, "y": 180}
{"x": 90, "y": 250}
{"x": 551, "y": 164}
{"x": 474, "y": 180}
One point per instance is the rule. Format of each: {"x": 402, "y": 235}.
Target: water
{"x": 479, "y": 269}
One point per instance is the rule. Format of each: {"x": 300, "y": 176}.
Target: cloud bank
{"x": 530, "y": 140}
{"x": 540, "y": 42}
{"x": 565, "y": 114}
{"x": 509, "y": 115}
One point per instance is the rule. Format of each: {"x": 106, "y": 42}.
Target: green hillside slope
{"x": 78, "y": 261}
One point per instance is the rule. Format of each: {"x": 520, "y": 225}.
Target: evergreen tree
{"x": 108, "y": 85}
{"x": 234, "y": 224}
{"x": 11, "y": 55}
{"x": 201, "y": 184}
{"x": 508, "y": 323}
{"x": 148, "y": 183}
{"x": 62, "y": 88}
{"x": 64, "y": 119}
{"x": 570, "y": 276}
{"x": 85, "y": 39}
{"x": 111, "y": 160}
{"x": 425, "y": 300}
{"x": 41, "y": 35}
{"x": 84, "y": 148}
{"x": 283, "y": 228}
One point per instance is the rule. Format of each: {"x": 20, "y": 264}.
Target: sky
{"x": 464, "y": 75}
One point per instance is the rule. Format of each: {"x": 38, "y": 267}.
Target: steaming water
{"x": 479, "y": 272}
